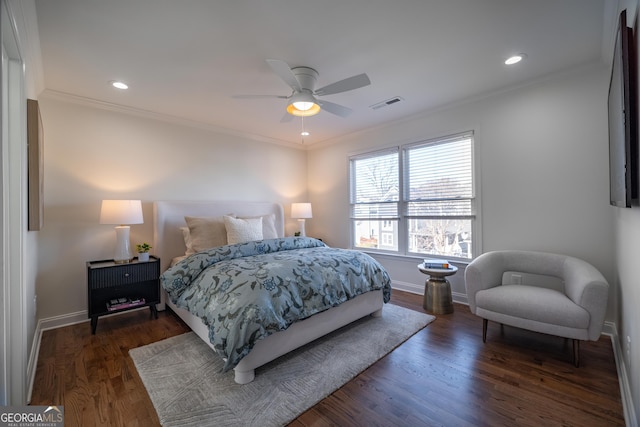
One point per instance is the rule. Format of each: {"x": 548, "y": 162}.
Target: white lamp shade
{"x": 301, "y": 210}
{"x": 120, "y": 212}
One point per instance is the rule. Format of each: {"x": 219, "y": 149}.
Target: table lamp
{"x": 301, "y": 211}
{"x": 121, "y": 213}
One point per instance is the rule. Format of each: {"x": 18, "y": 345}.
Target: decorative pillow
{"x": 188, "y": 242}
{"x": 268, "y": 225}
{"x": 243, "y": 230}
{"x": 206, "y": 232}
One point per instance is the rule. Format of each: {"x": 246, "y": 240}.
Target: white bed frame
{"x": 169, "y": 243}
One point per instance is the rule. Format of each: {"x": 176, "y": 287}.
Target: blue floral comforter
{"x": 246, "y": 292}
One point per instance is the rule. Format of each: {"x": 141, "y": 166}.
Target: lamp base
{"x": 123, "y": 253}
{"x": 302, "y": 231}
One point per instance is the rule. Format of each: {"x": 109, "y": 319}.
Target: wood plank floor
{"x": 442, "y": 376}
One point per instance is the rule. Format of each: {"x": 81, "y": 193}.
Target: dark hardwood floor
{"x": 442, "y": 376}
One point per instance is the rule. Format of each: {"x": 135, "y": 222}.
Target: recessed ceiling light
{"x": 515, "y": 59}
{"x": 119, "y": 85}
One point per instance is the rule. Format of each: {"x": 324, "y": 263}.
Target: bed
{"x": 170, "y": 245}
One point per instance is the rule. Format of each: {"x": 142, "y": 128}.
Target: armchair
{"x": 561, "y": 295}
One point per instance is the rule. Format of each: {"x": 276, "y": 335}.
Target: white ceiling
{"x": 186, "y": 59}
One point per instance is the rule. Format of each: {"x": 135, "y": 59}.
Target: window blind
{"x": 439, "y": 178}
{"x": 374, "y": 181}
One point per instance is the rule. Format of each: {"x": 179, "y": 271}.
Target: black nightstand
{"x": 114, "y": 288}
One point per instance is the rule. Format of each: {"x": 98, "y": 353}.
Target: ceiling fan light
{"x": 315, "y": 109}
{"x": 303, "y": 105}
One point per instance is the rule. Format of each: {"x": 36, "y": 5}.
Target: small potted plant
{"x": 143, "y": 251}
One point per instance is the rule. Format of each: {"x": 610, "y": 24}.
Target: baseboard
{"x": 419, "y": 289}
{"x": 609, "y": 329}
{"x": 625, "y": 388}
{"x": 33, "y": 361}
{"x": 44, "y": 325}
{"x": 407, "y": 287}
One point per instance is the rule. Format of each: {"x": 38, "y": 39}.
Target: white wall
{"x": 542, "y": 151}
{"x": 93, "y": 154}
{"x": 628, "y": 288}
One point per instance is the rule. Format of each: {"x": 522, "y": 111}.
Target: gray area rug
{"x": 182, "y": 374}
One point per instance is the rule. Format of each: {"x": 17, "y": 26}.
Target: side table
{"x": 437, "y": 289}
{"x": 113, "y": 288}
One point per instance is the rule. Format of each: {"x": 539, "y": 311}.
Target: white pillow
{"x": 268, "y": 225}
{"x": 188, "y": 242}
{"x": 243, "y": 230}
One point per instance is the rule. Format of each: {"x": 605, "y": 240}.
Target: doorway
{"x": 13, "y": 336}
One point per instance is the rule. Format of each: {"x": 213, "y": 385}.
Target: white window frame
{"x": 361, "y": 211}
{"x": 402, "y": 204}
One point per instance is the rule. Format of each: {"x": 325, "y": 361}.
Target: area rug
{"x": 182, "y": 374}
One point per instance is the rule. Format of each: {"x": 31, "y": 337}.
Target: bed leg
{"x": 244, "y": 377}
{"x": 377, "y": 313}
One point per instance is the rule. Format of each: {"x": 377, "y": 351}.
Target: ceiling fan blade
{"x": 283, "y": 71}
{"x": 336, "y": 109}
{"x": 345, "y": 85}
{"x": 259, "y": 96}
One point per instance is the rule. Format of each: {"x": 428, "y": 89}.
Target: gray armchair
{"x": 542, "y": 292}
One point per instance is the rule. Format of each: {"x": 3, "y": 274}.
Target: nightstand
{"x": 113, "y": 288}
{"x": 437, "y": 290}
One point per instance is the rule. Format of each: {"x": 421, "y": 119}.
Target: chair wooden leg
{"x": 576, "y": 353}
{"x": 484, "y": 330}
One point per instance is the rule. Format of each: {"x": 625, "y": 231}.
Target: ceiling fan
{"x": 303, "y": 101}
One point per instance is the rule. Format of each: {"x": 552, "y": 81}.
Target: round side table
{"x": 437, "y": 289}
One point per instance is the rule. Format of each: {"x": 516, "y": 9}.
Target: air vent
{"x": 386, "y": 103}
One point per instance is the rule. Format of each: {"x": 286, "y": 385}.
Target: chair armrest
{"x": 588, "y": 288}
{"x": 484, "y": 272}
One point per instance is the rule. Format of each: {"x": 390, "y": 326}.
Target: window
{"x": 375, "y": 194}
{"x": 418, "y": 199}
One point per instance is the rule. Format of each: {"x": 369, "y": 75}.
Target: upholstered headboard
{"x": 168, "y": 219}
